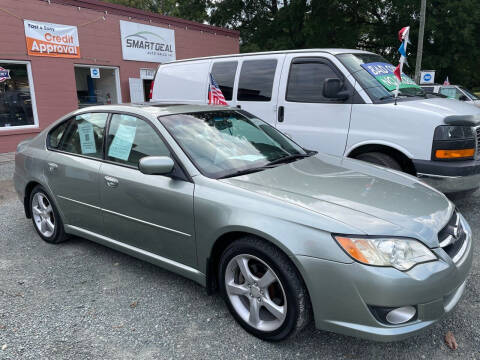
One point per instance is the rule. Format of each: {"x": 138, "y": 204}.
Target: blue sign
{"x": 427, "y": 77}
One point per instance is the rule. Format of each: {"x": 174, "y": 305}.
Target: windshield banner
{"x": 383, "y": 73}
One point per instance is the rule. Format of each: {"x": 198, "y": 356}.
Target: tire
{"x": 287, "y": 290}
{"x": 381, "y": 159}
{"x": 45, "y": 217}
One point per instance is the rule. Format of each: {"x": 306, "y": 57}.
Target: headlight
{"x": 402, "y": 254}
{"x": 446, "y": 132}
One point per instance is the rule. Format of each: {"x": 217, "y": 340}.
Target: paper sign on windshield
{"x": 122, "y": 142}
{"x": 87, "y": 140}
{"x": 383, "y": 73}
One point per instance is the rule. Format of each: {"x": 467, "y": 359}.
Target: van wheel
{"x": 263, "y": 290}
{"x": 45, "y": 217}
{"x": 381, "y": 159}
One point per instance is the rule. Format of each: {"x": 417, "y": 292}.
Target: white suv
{"x": 340, "y": 102}
{"x": 456, "y": 92}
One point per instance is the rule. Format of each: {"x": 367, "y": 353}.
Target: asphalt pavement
{"x": 80, "y": 300}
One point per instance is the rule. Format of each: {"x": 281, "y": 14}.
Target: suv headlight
{"x": 448, "y": 132}
{"x": 453, "y": 142}
{"x": 402, "y": 254}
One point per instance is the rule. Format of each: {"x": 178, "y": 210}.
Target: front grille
{"x": 453, "y": 237}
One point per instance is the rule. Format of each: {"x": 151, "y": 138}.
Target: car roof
{"x": 154, "y": 108}
{"x": 331, "y": 51}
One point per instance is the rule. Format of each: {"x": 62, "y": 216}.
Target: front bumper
{"x": 449, "y": 176}
{"x": 342, "y": 293}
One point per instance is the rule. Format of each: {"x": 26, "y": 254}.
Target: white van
{"x": 341, "y": 102}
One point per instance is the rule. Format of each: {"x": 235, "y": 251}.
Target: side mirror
{"x": 463, "y": 98}
{"x": 332, "y": 89}
{"x": 156, "y": 165}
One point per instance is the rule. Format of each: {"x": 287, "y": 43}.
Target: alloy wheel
{"x": 255, "y": 292}
{"x": 43, "y": 215}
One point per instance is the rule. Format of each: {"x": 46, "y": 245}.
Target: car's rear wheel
{"x": 381, "y": 159}
{"x": 263, "y": 290}
{"x": 45, "y": 217}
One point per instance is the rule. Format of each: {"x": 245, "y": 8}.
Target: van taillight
{"x": 151, "y": 90}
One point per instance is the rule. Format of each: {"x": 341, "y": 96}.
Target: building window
{"x": 100, "y": 90}
{"x": 16, "y": 107}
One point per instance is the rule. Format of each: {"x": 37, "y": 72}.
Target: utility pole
{"x": 421, "y": 31}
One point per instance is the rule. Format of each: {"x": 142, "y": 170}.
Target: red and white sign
{"x": 4, "y": 74}
{"x": 47, "y": 39}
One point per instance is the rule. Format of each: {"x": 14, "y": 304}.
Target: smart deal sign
{"x": 147, "y": 43}
{"x": 46, "y": 39}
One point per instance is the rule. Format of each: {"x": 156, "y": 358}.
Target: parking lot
{"x": 80, "y": 300}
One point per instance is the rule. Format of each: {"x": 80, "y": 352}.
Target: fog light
{"x": 401, "y": 315}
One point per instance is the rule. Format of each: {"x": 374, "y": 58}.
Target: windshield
{"x": 225, "y": 142}
{"x": 376, "y": 77}
{"x": 470, "y": 94}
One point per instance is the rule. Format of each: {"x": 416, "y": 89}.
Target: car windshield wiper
{"x": 385, "y": 97}
{"x": 244, "y": 172}
{"x": 292, "y": 157}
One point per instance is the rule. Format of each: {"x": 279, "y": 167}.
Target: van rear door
{"x": 182, "y": 82}
{"x": 304, "y": 113}
{"x": 257, "y": 85}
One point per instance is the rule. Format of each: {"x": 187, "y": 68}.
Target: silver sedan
{"x": 286, "y": 235}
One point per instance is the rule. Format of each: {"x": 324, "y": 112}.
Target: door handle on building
{"x": 52, "y": 167}
{"x": 111, "y": 181}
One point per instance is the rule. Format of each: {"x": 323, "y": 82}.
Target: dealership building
{"x": 60, "y": 55}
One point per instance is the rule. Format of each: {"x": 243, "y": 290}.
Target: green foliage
{"x": 451, "y": 45}
{"x": 452, "y": 30}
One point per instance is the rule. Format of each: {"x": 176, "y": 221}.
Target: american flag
{"x": 215, "y": 96}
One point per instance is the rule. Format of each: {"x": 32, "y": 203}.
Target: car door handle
{"x": 111, "y": 181}
{"x": 281, "y": 111}
{"x": 52, "y": 167}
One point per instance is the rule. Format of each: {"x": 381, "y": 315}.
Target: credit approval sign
{"x": 147, "y": 43}
{"x": 47, "y": 39}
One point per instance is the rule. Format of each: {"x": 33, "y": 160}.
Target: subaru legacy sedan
{"x": 286, "y": 235}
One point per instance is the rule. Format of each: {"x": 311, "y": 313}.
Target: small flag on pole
{"x": 403, "y": 38}
{"x": 446, "y": 82}
{"x": 215, "y": 95}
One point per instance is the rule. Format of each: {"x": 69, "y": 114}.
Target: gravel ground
{"x": 80, "y": 300}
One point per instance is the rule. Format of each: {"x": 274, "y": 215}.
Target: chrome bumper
{"x": 451, "y": 184}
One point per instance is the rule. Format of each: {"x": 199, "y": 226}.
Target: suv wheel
{"x": 381, "y": 159}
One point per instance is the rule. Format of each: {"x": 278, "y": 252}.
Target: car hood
{"x": 441, "y": 107}
{"x": 374, "y": 200}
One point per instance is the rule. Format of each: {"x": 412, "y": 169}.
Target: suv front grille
{"x": 453, "y": 238}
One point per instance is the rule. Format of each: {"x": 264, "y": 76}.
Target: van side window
{"x": 224, "y": 75}
{"x": 305, "y": 81}
{"x": 84, "y": 135}
{"x": 256, "y": 80}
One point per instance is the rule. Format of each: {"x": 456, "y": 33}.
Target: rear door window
{"x": 224, "y": 74}
{"x": 131, "y": 138}
{"x": 55, "y": 135}
{"x": 256, "y": 80}
{"x": 84, "y": 135}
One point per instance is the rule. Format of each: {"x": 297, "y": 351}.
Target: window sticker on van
{"x": 383, "y": 73}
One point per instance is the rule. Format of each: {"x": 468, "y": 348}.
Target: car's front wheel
{"x": 45, "y": 216}
{"x": 263, "y": 290}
